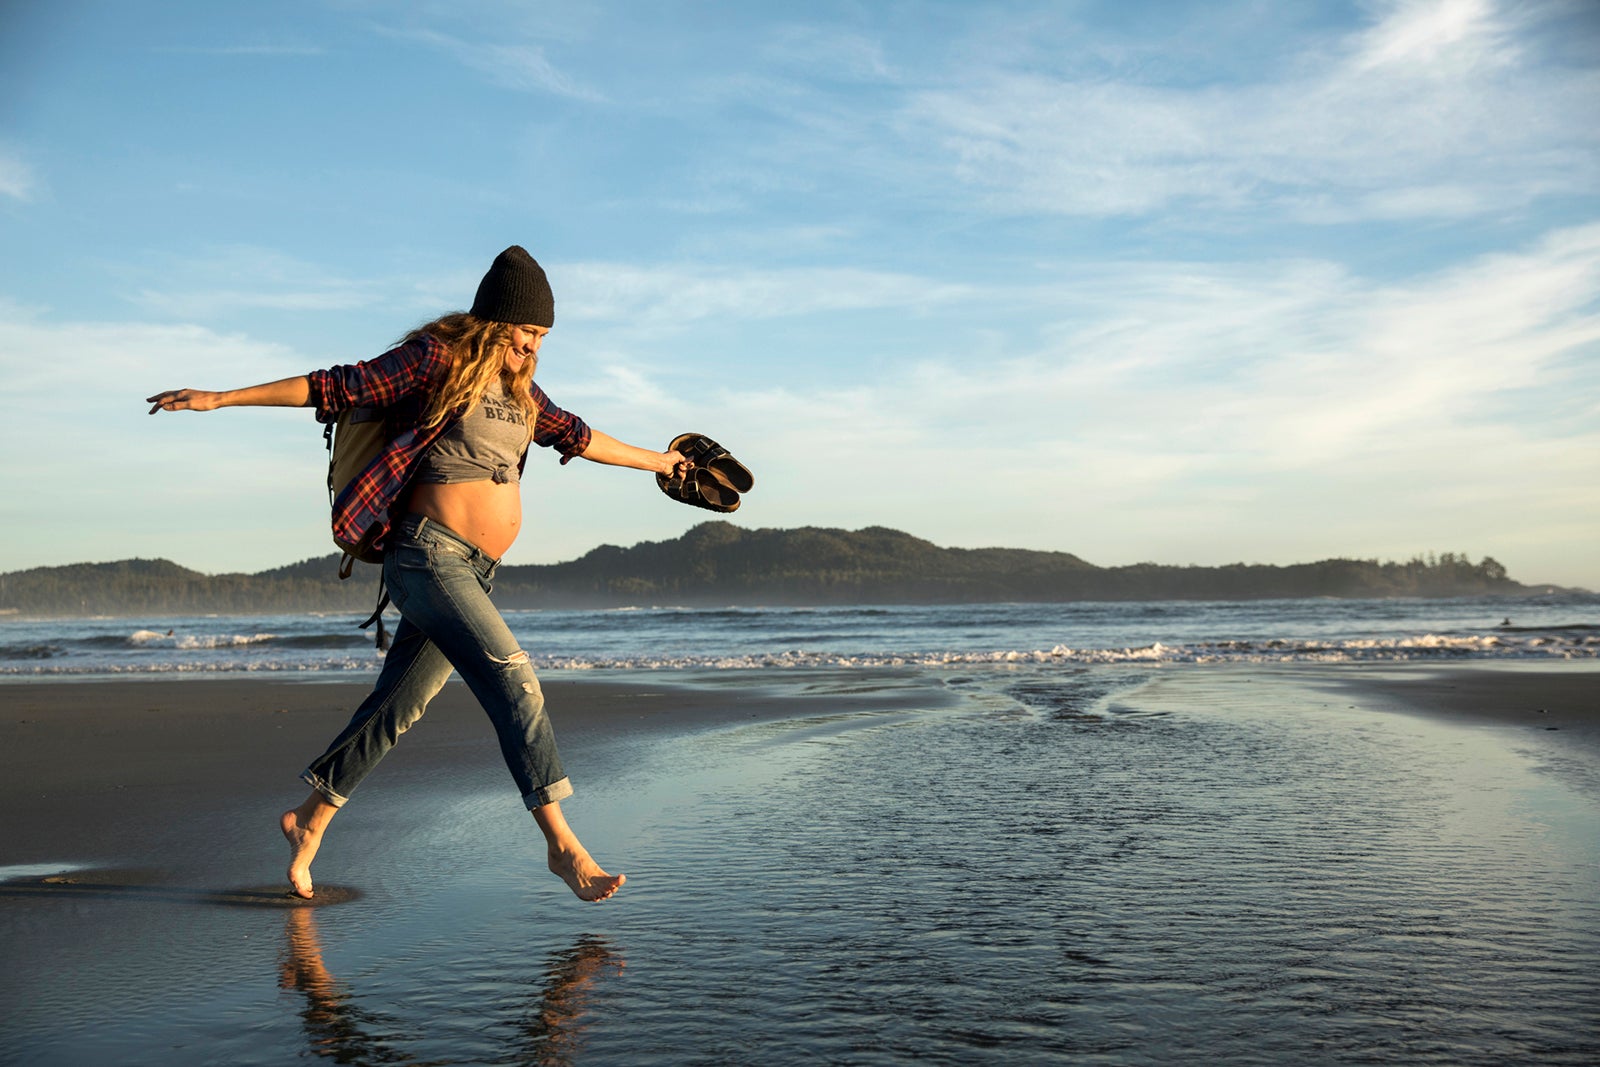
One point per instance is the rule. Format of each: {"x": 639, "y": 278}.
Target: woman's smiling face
{"x": 524, "y": 345}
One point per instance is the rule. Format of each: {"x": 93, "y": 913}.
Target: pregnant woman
{"x": 443, "y": 501}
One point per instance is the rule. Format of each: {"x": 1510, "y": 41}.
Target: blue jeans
{"x": 440, "y": 583}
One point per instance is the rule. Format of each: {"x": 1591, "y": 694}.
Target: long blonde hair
{"x": 477, "y": 357}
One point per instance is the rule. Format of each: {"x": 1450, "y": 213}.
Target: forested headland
{"x": 718, "y": 564}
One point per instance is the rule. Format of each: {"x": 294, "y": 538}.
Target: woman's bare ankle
{"x": 303, "y": 828}
{"x": 586, "y": 878}
{"x": 570, "y": 861}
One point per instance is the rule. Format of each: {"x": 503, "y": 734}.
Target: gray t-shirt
{"x": 484, "y": 446}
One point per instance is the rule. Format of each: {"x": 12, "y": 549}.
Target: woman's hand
{"x": 184, "y": 400}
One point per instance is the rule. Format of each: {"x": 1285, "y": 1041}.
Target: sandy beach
{"x": 1521, "y": 700}
{"x": 746, "y": 807}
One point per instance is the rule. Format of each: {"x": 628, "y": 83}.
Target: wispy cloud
{"x": 1438, "y": 108}
{"x": 519, "y": 66}
{"x": 1199, "y": 404}
{"x": 1292, "y": 367}
{"x": 17, "y": 179}
{"x": 828, "y": 53}
{"x": 262, "y": 50}
{"x": 34, "y": 350}
{"x": 157, "y": 474}
{"x": 658, "y": 296}
{"x": 209, "y": 303}
{"x": 237, "y": 278}
{"x": 1428, "y": 33}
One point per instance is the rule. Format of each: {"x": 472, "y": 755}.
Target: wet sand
{"x": 104, "y": 771}
{"x": 1523, "y": 700}
{"x": 1224, "y": 880}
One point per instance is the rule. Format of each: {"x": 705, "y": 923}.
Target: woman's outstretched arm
{"x": 285, "y": 393}
{"x": 603, "y": 448}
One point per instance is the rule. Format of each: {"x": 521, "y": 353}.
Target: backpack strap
{"x": 327, "y": 439}
{"x": 377, "y": 613}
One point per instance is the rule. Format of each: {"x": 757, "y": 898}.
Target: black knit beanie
{"x": 516, "y": 291}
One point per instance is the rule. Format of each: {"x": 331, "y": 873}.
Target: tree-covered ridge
{"x": 716, "y": 563}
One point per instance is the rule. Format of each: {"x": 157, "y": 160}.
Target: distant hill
{"x": 716, "y": 563}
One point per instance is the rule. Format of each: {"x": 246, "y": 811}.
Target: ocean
{"x": 1547, "y": 627}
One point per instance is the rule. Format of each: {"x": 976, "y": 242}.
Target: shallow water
{"x": 1215, "y": 866}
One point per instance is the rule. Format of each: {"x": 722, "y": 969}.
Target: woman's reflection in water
{"x": 337, "y": 1027}
{"x": 548, "y": 1035}
{"x": 553, "y": 1030}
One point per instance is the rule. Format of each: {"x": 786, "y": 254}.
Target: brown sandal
{"x": 714, "y": 480}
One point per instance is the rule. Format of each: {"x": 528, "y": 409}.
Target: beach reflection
{"x": 553, "y": 1030}
{"x": 547, "y": 1033}
{"x": 337, "y": 1027}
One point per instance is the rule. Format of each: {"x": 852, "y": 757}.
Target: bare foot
{"x": 583, "y": 875}
{"x": 303, "y": 844}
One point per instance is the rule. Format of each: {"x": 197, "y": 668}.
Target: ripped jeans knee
{"x": 519, "y": 672}
{"x": 519, "y": 658}
{"x": 514, "y": 703}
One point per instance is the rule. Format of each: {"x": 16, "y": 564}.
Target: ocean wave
{"x": 366, "y": 664}
{"x": 1407, "y": 649}
{"x": 353, "y": 639}
{"x": 188, "y": 642}
{"x": 41, "y": 650}
{"x": 1566, "y": 628}
{"x": 1285, "y": 650}
{"x": 224, "y": 641}
{"x": 1422, "y": 647}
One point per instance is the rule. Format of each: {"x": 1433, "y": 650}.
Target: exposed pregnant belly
{"x": 488, "y": 514}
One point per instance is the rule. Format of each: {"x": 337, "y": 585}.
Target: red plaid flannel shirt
{"x": 399, "y": 375}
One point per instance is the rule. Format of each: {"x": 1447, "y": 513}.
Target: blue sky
{"x": 1191, "y": 283}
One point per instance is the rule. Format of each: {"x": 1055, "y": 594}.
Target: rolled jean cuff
{"x": 560, "y": 789}
{"x": 326, "y": 790}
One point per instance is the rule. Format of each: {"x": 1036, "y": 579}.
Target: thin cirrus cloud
{"x": 17, "y": 179}
{"x": 1385, "y": 124}
{"x": 517, "y": 66}
{"x": 35, "y": 346}
{"x": 1231, "y": 373}
{"x": 261, "y": 50}
{"x": 1336, "y": 367}
{"x": 829, "y": 54}
{"x": 203, "y": 304}
{"x": 1457, "y": 399}
{"x": 257, "y": 279}
{"x": 1278, "y": 366}
{"x": 1413, "y": 32}
{"x": 661, "y": 295}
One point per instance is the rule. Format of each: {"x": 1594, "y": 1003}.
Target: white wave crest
{"x": 1421, "y": 647}
{"x": 153, "y": 638}
{"x": 224, "y": 641}
{"x": 1579, "y": 645}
